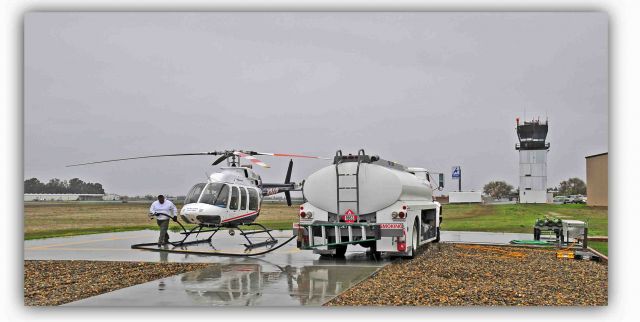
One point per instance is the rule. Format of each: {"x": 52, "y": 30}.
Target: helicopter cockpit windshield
{"x": 194, "y": 193}
{"x": 215, "y": 193}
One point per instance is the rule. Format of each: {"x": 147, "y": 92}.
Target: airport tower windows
{"x": 194, "y": 193}
{"x": 253, "y": 199}
{"x": 243, "y": 198}
{"x": 235, "y": 195}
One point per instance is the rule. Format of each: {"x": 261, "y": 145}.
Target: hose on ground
{"x": 145, "y": 246}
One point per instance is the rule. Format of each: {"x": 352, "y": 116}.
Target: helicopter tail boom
{"x": 269, "y": 189}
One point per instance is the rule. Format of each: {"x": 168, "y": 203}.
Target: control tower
{"x": 533, "y": 150}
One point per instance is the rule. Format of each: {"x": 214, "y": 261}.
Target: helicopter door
{"x": 243, "y": 198}
{"x": 254, "y": 200}
{"x": 234, "y": 201}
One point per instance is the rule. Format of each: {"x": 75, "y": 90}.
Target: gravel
{"x": 58, "y": 282}
{"x": 464, "y": 275}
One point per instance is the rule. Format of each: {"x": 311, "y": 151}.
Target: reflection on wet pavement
{"x": 257, "y": 283}
{"x": 285, "y": 277}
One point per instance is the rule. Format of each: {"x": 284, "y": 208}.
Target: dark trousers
{"x": 164, "y": 236}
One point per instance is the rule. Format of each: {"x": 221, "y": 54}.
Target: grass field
{"x": 519, "y": 218}
{"x": 43, "y": 220}
{"x": 600, "y": 246}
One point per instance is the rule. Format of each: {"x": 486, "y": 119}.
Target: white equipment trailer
{"x": 368, "y": 201}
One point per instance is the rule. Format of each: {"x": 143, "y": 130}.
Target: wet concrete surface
{"x": 286, "y": 277}
{"x": 241, "y": 284}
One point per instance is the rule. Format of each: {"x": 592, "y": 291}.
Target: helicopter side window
{"x": 211, "y": 192}
{"x": 235, "y": 195}
{"x": 243, "y": 198}
{"x": 253, "y": 199}
{"x": 194, "y": 193}
{"x": 223, "y": 197}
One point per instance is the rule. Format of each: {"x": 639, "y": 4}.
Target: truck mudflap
{"x": 319, "y": 234}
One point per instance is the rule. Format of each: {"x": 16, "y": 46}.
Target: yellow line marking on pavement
{"x": 79, "y": 243}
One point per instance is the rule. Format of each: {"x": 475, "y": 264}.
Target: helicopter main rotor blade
{"x": 145, "y": 157}
{"x": 288, "y": 155}
{"x": 251, "y": 158}
{"x": 220, "y": 159}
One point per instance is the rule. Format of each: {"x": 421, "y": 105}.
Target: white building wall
{"x": 50, "y": 197}
{"x": 111, "y": 197}
{"x": 533, "y": 176}
{"x": 531, "y": 196}
{"x": 57, "y": 196}
{"x": 465, "y": 197}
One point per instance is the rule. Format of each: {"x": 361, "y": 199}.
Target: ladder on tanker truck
{"x": 348, "y": 184}
{"x": 350, "y": 231}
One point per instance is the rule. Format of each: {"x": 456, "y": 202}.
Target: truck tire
{"x": 437, "y": 240}
{"x": 373, "y": 250}
{"x": 415, "y": 241}
{"x": 340, "y": 251}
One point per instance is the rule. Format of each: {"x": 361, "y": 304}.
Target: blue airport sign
{"x": 455, "y": 172}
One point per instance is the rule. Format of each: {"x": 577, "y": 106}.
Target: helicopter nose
{"x": 189, "y": 212}
{"x": 202, "y": 214}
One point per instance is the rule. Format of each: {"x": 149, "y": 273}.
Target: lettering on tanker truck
{"x": 391, "y": 226}
{"x": 391, "y": 230}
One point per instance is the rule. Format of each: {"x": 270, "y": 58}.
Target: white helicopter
{"x": 230, "y": 198}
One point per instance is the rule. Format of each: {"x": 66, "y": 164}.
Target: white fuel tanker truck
{"x": 368, "y": 201}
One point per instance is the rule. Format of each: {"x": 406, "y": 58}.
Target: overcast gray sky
{"x": 424, "y": 89}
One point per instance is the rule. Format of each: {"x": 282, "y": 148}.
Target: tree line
{"x": 56, "y": 185}
{"x": 501, "y": 189}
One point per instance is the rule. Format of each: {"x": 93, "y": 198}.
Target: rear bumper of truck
{"x": 327, "y": 234}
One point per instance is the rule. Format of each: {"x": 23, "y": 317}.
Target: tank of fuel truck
{"x": 379, "y": 187}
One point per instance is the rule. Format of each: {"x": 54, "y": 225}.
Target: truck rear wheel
{"x": 373, "y": 251}
{"x": 341, "y": 250}
{"x": 414, "y": 241}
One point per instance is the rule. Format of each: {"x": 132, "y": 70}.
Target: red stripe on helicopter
{"x": 241, "y": 216}
{"x": 251, "y": 158}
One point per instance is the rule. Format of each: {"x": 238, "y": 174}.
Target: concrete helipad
{"x": 285, "y": 277}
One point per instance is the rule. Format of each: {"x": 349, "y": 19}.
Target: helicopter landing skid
{"x": 271, "y": 241}
{"x": 251, "y": 245}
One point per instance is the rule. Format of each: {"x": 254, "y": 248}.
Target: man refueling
{"x": 163, "y": 210}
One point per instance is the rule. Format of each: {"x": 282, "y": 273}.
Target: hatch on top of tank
{"x": 362, "y": 157}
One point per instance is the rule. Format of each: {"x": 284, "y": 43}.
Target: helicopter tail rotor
{"x": 287, "y": 180}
